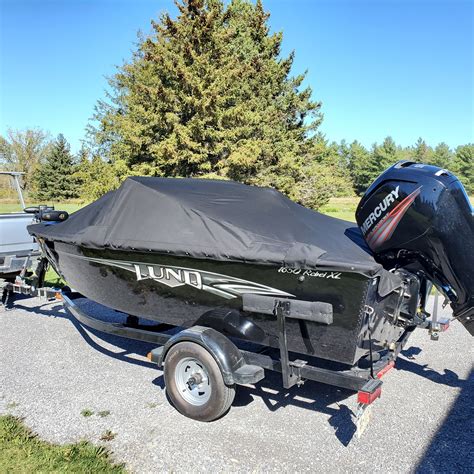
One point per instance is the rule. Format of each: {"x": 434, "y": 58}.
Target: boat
{"x": 219, "y": 254}
{"x": 238, "y": 280}
{"x": 17, "y": 247}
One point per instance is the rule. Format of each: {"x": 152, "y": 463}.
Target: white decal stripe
{"x": 256, "y": 290}
{"x": 218, "y": 292}
{"x": 222, "y": 285}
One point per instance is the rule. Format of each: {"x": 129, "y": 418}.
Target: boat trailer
{"x": 238, "y": 366}
{"x": 242, "y": 367}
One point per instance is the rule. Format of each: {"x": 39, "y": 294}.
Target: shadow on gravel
{"x": 51, "y": 311}
{"x": 128, "y": 346}
{"x": 451, "y": 447}
{"x": 310, "y": 396}
{"x": 449, "y": 378}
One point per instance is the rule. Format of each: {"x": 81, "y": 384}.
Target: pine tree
{"x": 325, "y": 175}
{"x": 383, "y": 156}
{"x": 463, "y": 166}
{"x": 54, "y": 179}
{"x": 95, "y": 177}
{"x": 386, "y": 154}
{"x": 442, "y": 156}
{"x": 207, "y": 94}
{"x": 360, "y": 167}
{"x": 422, "y": 153}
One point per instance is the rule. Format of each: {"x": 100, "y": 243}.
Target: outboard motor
{"x": 419, "y": 217}
{"x": 46, "y": 213}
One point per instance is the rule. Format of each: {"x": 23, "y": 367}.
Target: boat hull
{"x": 186, "y": 292}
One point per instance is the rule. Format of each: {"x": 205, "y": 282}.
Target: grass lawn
{"x": 11, "y": 206}
{"x": 22, "y": 451}
{"x": 342, "y": 208}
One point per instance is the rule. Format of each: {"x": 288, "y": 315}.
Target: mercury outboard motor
{"x": 419, "y": 217}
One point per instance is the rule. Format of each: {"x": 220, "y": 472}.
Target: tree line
{"x": 208, "y": 94}
{"x": 53, "y": 173}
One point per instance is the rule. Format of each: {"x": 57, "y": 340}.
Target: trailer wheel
{"x": 194, "y": 382}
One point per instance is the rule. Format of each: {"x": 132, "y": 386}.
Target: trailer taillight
{"x": 370, "y": 392}
{"x": 388, "y": 367}
{"x": 367, "y": 398}
{"x": 444, "y": 325}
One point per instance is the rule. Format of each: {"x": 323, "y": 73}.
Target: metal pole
{"x": 281, "y": 310}
{"x": 18, "y": 189}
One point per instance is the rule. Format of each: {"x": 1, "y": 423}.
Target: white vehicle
{"x": 16, "y": 244}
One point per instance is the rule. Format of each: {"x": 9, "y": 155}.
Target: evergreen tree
{"x": 325, "y": 175}
{"x": 360, "y": 167}
{"x": 422, "y": 153}
{"x": 54, "y": 179}
{"x": 81, "y": 174}
{"x": 95, "y": 177}
{"x": 463, "y": 166}
{"x": 442, "y": 156}
{"x": 383, "y": 156}
{"x": 207, "y": 94}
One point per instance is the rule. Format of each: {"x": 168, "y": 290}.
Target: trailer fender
{"x": 228, "y": 357}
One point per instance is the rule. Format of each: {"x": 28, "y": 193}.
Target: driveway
{"x": 53, "y": 372}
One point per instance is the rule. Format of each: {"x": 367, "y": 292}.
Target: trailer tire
{"x": 194, "y": 383}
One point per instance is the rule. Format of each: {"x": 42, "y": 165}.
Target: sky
{"x": 403, "y": 68}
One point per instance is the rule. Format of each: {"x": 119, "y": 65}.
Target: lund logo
{"x": 169, "y": 276}
{"x": 221, "y": 285}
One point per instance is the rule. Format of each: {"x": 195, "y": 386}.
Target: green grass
{"x": 52, "y": 279}
{"x": 12, "y": 206}
{"x": 21, "y": 451}
{"x": 342, "y": 208}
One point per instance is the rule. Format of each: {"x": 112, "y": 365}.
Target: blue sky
{"x": 380, "y": 67}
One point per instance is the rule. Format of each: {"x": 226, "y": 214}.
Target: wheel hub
{"x": 192, "y": 381}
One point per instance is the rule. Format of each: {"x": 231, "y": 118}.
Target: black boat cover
{"x": 220, "y": 220}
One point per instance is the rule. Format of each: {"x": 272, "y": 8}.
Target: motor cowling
{"x": 419, "y": 217}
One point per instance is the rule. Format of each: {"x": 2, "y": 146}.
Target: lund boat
{"x": 246, "y": 263}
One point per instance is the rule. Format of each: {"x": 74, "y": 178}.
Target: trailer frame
{"x": 294, "y": 371}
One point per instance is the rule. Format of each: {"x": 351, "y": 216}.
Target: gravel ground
{"x": 51, "y": 370}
